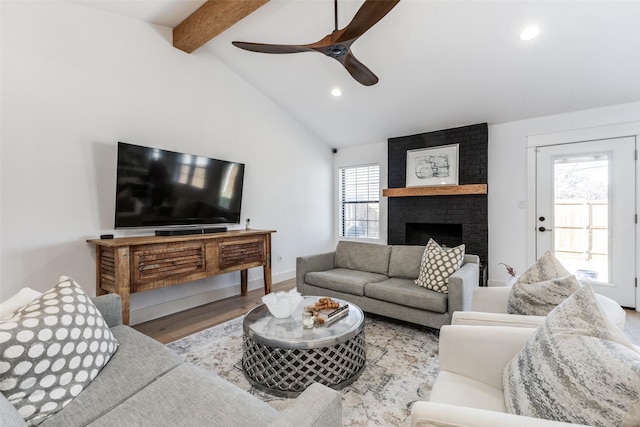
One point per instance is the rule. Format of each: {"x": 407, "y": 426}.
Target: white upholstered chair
{"x": 489, "y": 308}
{"x": 468, "y": 390}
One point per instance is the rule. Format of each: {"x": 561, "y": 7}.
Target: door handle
{"x": 544, "y": 229}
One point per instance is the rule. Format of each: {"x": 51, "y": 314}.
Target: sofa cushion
{"x": 9, "y": 415}
{"x": 538, "y": 299}
{"x": 139, "y": 361}
{"x": 367, "y": 257}
{"x": 189, "y": 395}
{"x": 405, "y": 261}
{"x": 53, "y": 348}
{"x": 546, "y": 268}
{"x": 405, "y": 292}
{"x": 343, "y": 280}
{"x": 438, "y": 264}
{"x": 577, "y": 368}
{"x": 458, "y": 390}
{"x": 22, "y": 298}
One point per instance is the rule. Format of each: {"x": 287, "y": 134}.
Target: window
{"x": 190, "y": 174}
{"x": 230, "y": 178}
{"x": 360, "y": 201}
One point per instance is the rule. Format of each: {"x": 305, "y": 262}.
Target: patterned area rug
{"x": 402, "y": 363}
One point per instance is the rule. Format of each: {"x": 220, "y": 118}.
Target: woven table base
{"x": 289, "y": 372}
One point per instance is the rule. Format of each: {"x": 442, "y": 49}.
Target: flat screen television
{"x": 161, "y": 188}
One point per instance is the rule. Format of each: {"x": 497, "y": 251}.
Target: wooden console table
{"x": 136, "y": 264}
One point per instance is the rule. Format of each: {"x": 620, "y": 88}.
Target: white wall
{"x": 507, "y": 186}
{"x": 74, "y": 82}
{"x": 368, "y": 154}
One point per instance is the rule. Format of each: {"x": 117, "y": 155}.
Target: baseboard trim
{"x": 156, "y": 311}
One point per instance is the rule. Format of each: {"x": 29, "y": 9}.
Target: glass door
{"x": 586, "y": 212}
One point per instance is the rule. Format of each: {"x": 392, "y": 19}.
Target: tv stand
{"x": 136, "y": 264}
{"x": 190, "y": 231}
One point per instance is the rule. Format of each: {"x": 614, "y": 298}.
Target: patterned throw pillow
{"x": 432, "y": 245}
{"x": 538, "y": 299}
{"x": 22, "y": 298}
{"x": 576, "y": 368}
{"x": 437, "y": 265}
{"x": 546, "y": 268}
{"x": 52, "y": 348}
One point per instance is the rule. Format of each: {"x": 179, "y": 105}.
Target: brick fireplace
{"x": 451, "y": 219}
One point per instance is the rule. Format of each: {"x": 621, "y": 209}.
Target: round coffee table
{"x": 282, "y": 358}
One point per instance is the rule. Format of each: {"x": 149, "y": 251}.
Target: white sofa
{"x": 468, "y": 390}
{"x": 489, "y": 308}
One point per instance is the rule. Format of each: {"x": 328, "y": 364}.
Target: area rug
{"x": 402, "y": 363}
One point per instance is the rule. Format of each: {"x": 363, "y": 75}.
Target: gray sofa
{"x": 146, "y": 384}
{"x": 380, "y": 279}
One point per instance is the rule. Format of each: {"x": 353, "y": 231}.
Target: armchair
{"x": 468, "y": 390}
{"x": 489, "y": 308}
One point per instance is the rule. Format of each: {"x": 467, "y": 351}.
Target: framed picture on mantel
{"x": 432, "y": 166}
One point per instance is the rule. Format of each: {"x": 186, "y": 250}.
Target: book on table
{"x": 333, "y": 314}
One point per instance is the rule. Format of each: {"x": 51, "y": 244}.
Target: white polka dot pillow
{"x": 438, "y": 264}
{"x": 22, "y": 298}
{"x": 51, "y": 349}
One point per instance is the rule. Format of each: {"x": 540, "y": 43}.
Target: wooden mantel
{"x": 442, "y": 190}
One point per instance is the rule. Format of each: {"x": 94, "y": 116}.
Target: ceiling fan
{"x": 337, "y": 45}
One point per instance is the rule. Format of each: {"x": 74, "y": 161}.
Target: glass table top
{"x": 262, "y": 327}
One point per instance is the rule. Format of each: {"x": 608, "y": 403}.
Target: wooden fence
{"x": 582, "y": 229}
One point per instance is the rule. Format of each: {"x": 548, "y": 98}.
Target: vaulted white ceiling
{"x": 441, "y": 63}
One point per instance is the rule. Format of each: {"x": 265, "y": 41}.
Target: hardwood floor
{"x": 175, "y": 326}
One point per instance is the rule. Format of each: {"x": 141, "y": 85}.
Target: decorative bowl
{"x": 282, "y": 304}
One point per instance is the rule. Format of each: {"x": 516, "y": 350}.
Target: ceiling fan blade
{"x": 337, "y": 44}
{"x": 358, "y": 70}
{"x": 366, "y": 17}
{"x": 271, "y": 48}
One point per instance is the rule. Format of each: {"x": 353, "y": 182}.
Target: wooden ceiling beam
{"x": 209, "y": 20}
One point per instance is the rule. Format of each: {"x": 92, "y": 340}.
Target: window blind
{"x": 360, "y": 201}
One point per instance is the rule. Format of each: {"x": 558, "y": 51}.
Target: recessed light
{"x": 336, "y": 92}
{"x": 530, "y": 33}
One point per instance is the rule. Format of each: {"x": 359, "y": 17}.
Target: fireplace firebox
{"x": 445, "y": 234}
